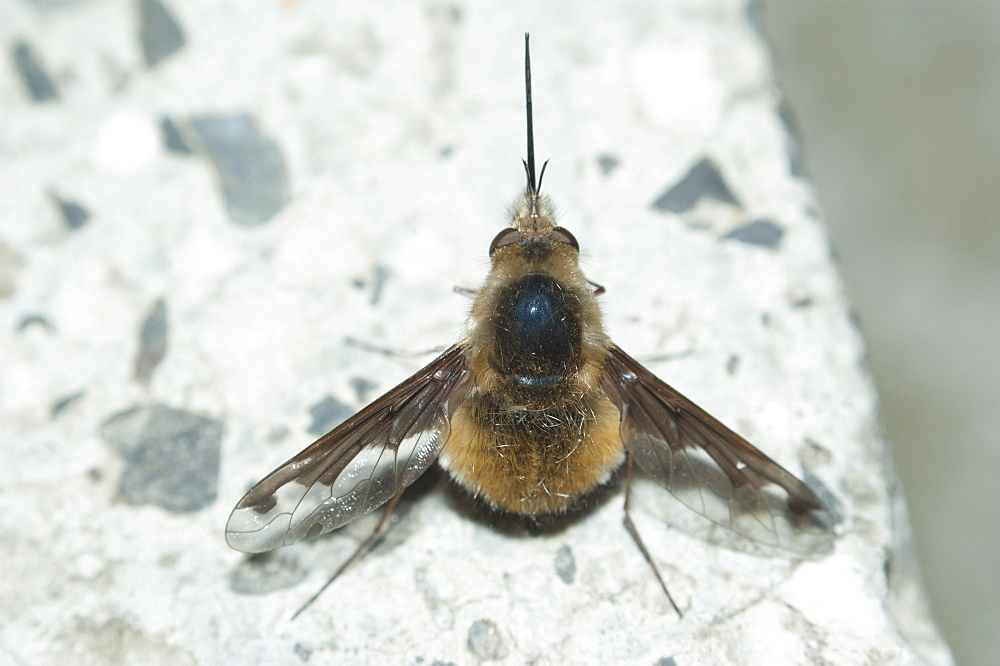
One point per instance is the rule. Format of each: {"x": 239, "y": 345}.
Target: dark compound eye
{"x": 508, "y": 236}
{"x": 561, "y": 235}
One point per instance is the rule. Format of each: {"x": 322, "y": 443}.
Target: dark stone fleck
{"x": 607, "y": 163}
{"x": 60, "y": 405}
{"x": 438, "y": 662}
{"x": 171, "y": 456}
{"x": 666, "y": 661}
{"x": 756, "y": 16}
{"x": 445, "y": 13}
{"x": 703, "y": 181}
{"x": 159, "y": 33}
{"x": 446, "y": 152}
{"x": 278, "y": 433}
{"x": 10, "y": 261}
{"x": 485, "y": 642}
{"x": 152, "y": 342}
{"x": 763, "y": 233}
{"x": 381, "y": 275}
{"x": 801, "y": 303}
{"x": 250, "y": 166}
{"x": 765, "y": 319}
{"x": 733, "y": 364}
{"x": 28, "y": 321}
{"x": 816, "y": 453}
{"x": 796, "y": 160}
{"x": 787, "y": 118}
{"x": 172, "y": 138}
{"x": 362, "y": 388}
{"x": 73, "y": 214}
{"x": 327, "y": 413}
{"x": 302, "y": 652}
{"x": 565, "y": 564}
{"x": 865, "y": 363}
{"x": 264, "y": 573}
{"x": 33, "y": 75}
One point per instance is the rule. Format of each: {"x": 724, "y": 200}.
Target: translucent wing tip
{"x": 241, "y": 536}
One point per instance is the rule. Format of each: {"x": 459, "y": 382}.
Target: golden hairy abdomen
{"x": 535, "y": 464}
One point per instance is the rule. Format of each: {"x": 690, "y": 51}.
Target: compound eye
{"x": 561, "y": 235}
{"x": 508, "y": 236}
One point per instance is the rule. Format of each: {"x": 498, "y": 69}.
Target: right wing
{"x": 710, "y": 468}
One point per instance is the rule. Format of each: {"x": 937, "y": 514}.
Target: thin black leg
{"x": 630, "y": 526}
{"x": 365, "y": 546}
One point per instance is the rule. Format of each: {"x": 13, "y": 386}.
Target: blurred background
{"x": 898, "y": 107}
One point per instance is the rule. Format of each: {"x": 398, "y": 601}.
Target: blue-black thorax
{"x": 537, "y": 327}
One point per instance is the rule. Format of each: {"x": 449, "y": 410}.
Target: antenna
{"x": 529, "y": 165}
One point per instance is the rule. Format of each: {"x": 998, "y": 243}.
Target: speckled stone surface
{"x": 215, "y": 214}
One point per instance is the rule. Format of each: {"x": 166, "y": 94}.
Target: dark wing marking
{"x": 688, "y": 452}
{"x": 359, "y": 465}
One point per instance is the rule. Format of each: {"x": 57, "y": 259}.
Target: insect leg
{"x": 630, "y": 526}
{"x": 389, "y": 351}
{"x": 365, "y": 546}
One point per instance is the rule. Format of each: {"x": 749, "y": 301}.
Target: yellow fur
{"x": 513, "y": 472}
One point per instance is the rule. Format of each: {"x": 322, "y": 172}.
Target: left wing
{"x": 709, "y": 467}
{"x": 359, "y": 465}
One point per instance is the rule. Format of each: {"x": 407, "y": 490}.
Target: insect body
{"x": 536, "y": 431}
{"x": 534, "y": 408}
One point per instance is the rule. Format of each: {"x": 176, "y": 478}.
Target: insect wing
{"x": 689, "y": 452}
{"x": 359, "y": 465}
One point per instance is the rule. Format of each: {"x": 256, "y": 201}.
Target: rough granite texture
{"x": 215, "y": 214}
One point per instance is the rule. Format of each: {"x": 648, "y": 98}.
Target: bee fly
{"x": 534, "y": 408}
